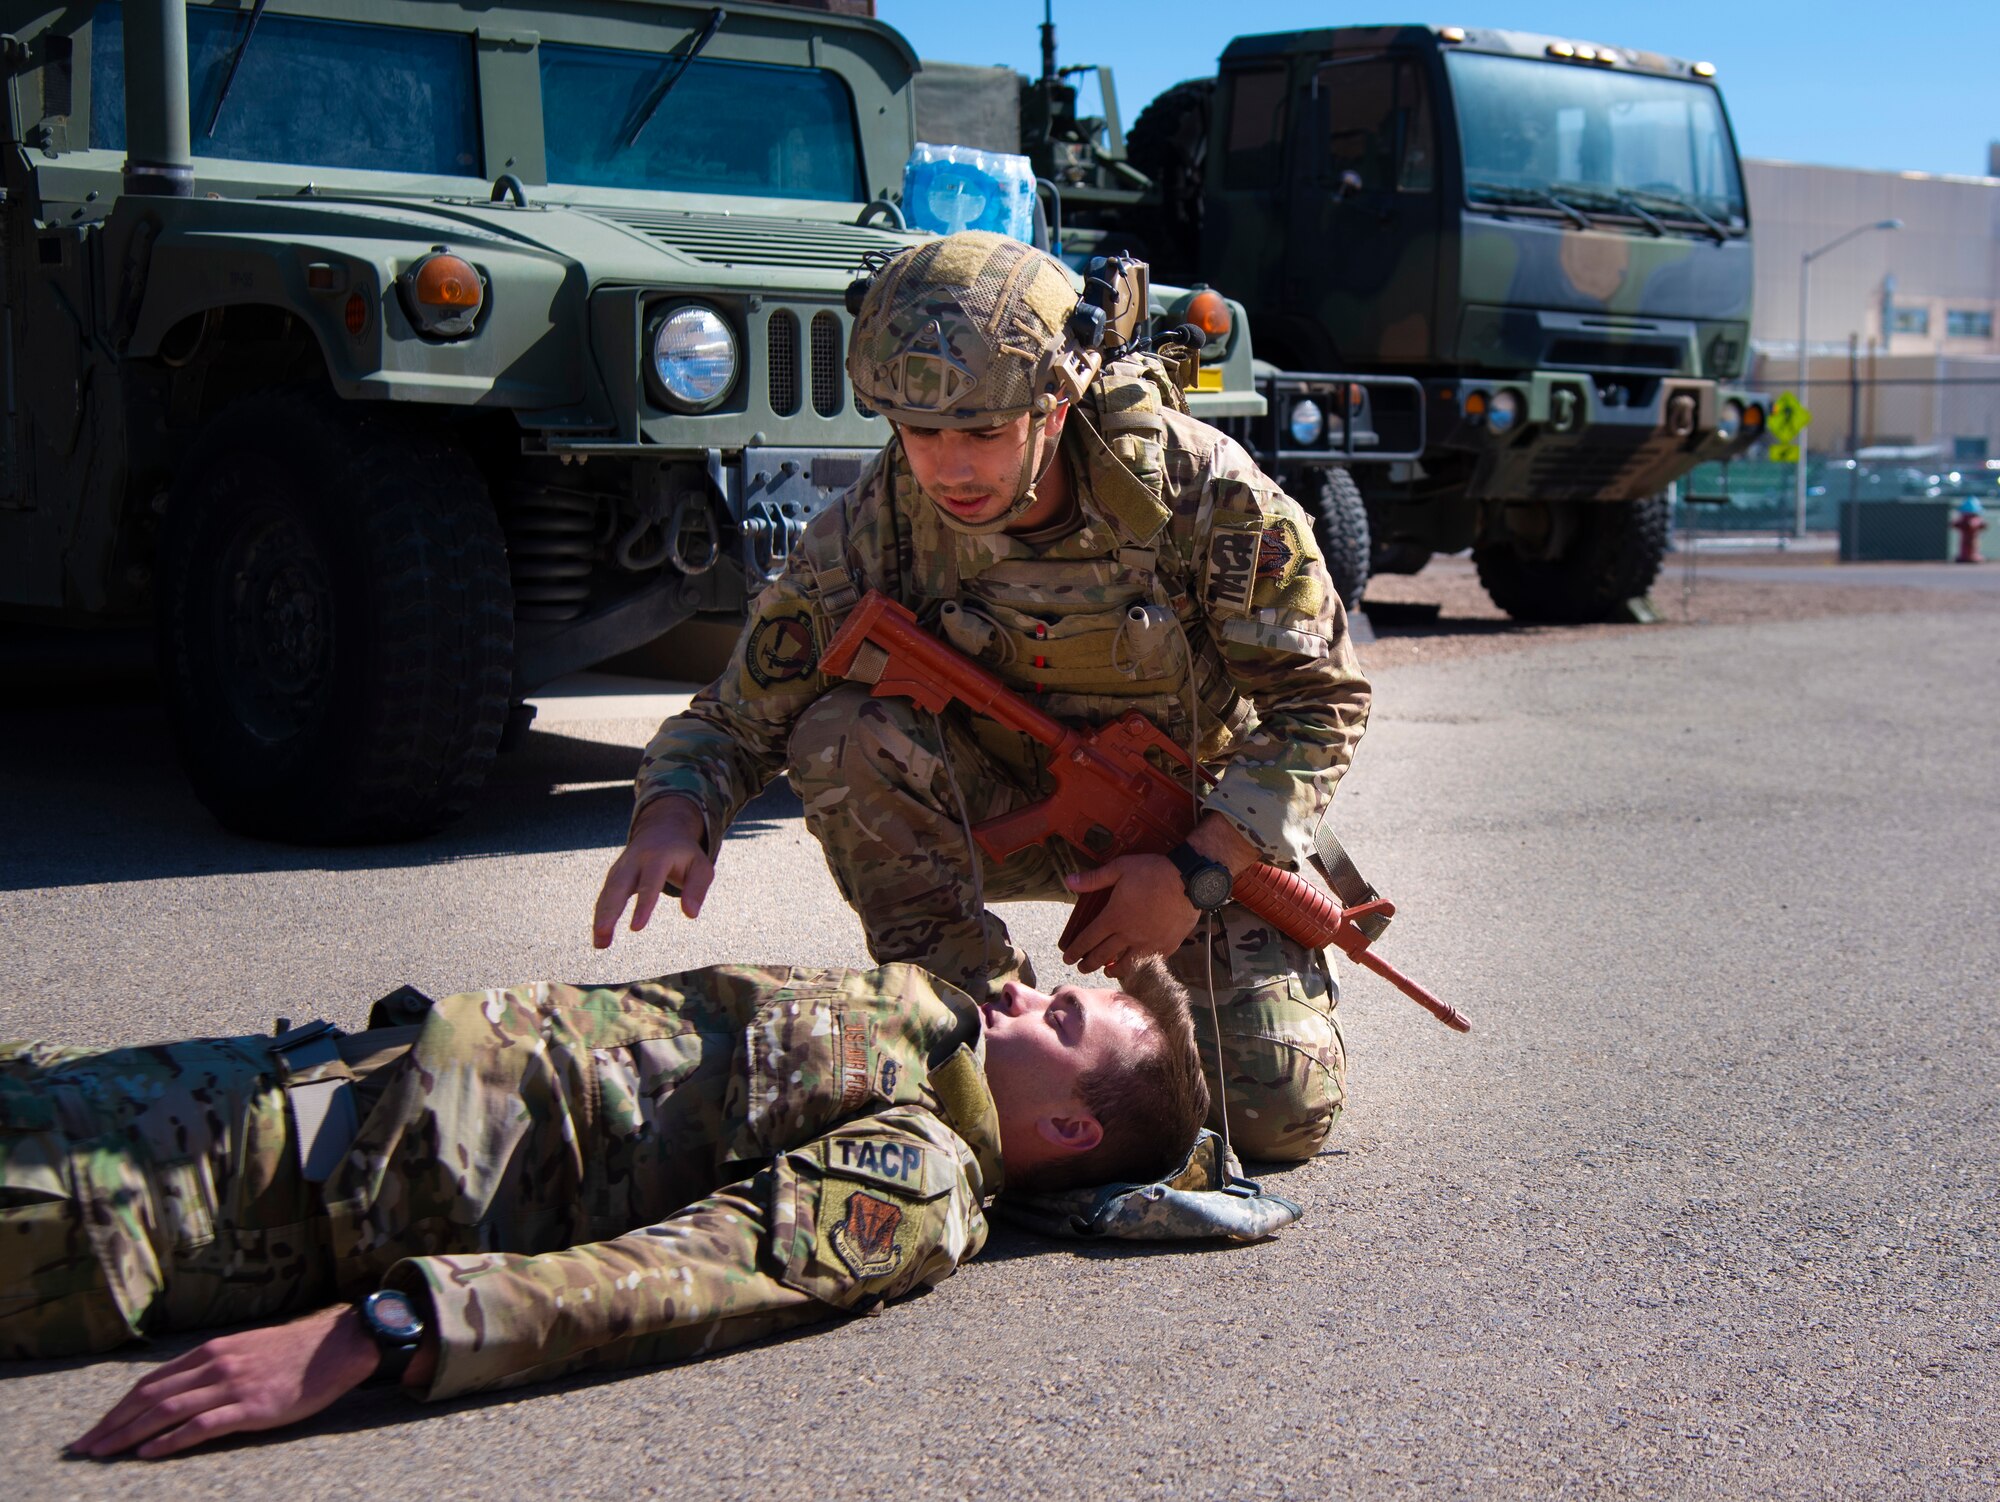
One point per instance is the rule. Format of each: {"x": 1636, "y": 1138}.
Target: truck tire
{"x": 336, "y": 625}
{"x": 1340, "y": 523}
{"x": 1614, "y": 557}
{"x": 1169, "y": 143}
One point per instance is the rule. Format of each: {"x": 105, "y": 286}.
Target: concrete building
{"x": 1903, "y": 328}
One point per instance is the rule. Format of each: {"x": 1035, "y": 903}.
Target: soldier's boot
{"x": 881, "y": 782}
{"x": 1283, "y": 1068}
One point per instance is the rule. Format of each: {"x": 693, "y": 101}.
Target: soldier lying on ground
{"x": 537, "y": 1180}
{"x": 1066, "y": 523}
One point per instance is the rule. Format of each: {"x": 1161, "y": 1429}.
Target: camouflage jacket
{"x": 1190, "y": 576}
{"x": 606, "y": 1176}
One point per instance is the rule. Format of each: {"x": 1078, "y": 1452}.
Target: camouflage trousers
{"x": 888, "y": 791}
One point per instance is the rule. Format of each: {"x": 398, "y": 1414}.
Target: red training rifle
{"x": 1111, "y": 797}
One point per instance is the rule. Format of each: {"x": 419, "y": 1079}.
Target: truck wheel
{"x": 336, "y": 624}
{"x": 1614, "y": 557}
{"x": 1169, "y": 143}
{"x": 1340, "y": 523}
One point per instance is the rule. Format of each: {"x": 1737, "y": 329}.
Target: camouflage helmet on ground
{"x": 969, "y": 331}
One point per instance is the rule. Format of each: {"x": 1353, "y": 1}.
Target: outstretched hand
{"x": 254, "y": 1379}
{"x": 663, "y": 854}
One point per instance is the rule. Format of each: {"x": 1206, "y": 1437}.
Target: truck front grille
{"x": 782, "y": 354}
{"x": 826, "y": 382}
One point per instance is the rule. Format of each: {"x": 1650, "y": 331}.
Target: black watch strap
{"x": 1206, "y": 881}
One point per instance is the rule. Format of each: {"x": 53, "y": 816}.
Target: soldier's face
{"x": 1038, "y": 1047}
{"x": 969, "y": 472}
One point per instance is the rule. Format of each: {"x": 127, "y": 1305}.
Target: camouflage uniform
{"x": 1190, "y": 588}
{"x": 573, "y": 1177}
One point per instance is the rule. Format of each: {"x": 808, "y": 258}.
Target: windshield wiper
{"x": 235, "y": 62}
{"x": 650, "y": 105}
{"x": 1611, "y": 200}
{"x": 1689, "y": 207}
{"x": 1520, "y": 193}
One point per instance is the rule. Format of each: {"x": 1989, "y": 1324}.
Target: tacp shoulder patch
{"x": 783, "y": 648}
{"x": 1234, "y": 546}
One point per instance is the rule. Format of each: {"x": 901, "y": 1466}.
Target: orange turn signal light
{"x": 1209, "y": 312}
{"x": 447, "y": 282}
{"x": 1475, "y": 404}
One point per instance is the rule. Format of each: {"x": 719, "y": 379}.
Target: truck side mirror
{"x": 1348, "y": 186}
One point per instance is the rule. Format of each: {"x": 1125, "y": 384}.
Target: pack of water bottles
{"x": 951, "y": 188}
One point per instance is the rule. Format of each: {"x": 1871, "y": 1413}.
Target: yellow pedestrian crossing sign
{"x": 1789, "y": 418}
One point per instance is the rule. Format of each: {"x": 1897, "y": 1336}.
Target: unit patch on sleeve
{"x": 783, "y": 649}
{"x": 1233, "y": 550}
{"x": 865, "y": 1237}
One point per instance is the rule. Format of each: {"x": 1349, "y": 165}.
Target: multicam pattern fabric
{"x": 1207, "y": 1196}
{"x": 577, "y": 1177}
{"x": 1190, "y": 590}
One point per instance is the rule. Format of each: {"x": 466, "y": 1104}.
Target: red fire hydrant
{"x": 1970, "y": 522}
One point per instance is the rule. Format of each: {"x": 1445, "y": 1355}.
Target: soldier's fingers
{"x": 156, "y": 1416}
{"x": 611, "y": 900}
{"x": 209, "y": 1424}
{"x": 1097, "y": 878}
{"x": 178, "y": 1375}
{"x": 694, "y": 886}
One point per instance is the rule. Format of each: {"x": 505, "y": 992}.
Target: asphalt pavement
{"x": 1704, "y": 1206}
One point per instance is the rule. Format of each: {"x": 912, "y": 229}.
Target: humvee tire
{"x": 1340, "y": 524}
{"x": 336, "y": 623}
{"x": 1615, "y": 556}
{"x": 1169, "y": 143}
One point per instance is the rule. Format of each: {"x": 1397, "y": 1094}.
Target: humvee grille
{"x": 782, "y": 351}
{"x": 745, "y": 240}
{"x": 826, "y": 363}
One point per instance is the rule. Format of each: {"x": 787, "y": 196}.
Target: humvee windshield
{"x": 725, "y": 127}
{"x": 310, "y": 93}
{"x": 1600, "y": 141}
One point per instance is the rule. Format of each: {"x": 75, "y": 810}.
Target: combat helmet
{"x": 975, "y": 330}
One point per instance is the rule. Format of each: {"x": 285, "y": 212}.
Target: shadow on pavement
{"x": 93, "y": 793}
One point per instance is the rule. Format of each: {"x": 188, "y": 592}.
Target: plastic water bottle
{"x": 951, "y": 188}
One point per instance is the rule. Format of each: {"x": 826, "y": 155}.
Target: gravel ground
{"x": 1718, "y": 593}
{"x": 1704, "y": 1207}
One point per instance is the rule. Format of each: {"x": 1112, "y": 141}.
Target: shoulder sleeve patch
{"x": 1234, "y": 544}
{"x": 782, "y": 648}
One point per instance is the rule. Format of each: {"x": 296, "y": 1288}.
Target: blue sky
{"x": 1913, "y": 86}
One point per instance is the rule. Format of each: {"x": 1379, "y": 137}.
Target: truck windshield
{"x": 738, "y": 128}
{"x": 310, "y": 93}
{"x": 1535, "y": 132}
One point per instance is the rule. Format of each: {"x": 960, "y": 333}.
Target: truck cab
{"x": 1550, "y": 234}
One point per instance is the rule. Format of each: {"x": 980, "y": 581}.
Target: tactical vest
{"x": 1088, "y": 626}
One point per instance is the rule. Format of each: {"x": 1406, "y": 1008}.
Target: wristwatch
{"x": 1207, "y": 881}
{"x": 391, "y": 1318}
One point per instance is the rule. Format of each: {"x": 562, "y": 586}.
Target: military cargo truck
{"x": 1549, "y": 235}
{"x": 397, "y": 357}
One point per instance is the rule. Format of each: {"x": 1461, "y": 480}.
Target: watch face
{"x": 395, "y": 1316}
{"x": 1209, "y": 887}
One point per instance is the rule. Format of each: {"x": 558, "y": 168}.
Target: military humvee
{"x": 397, "y": 357}
{"x": 1549, "y": 235}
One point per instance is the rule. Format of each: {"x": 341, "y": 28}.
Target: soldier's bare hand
{"x": 255, "y": 1379}
{"x": 663, "y": 854}
{"x": 1147, "y": 913}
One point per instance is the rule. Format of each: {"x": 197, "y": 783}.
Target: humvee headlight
{"x": 443, "y": 294}
{"x": 1307, "y": 422}
{"x": 1503, "y": 411}
{"x": 1731, "y": 422}
{"x": 694, "y": 357}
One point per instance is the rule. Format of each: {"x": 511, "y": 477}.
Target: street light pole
{"x": 1805, "y": 282}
